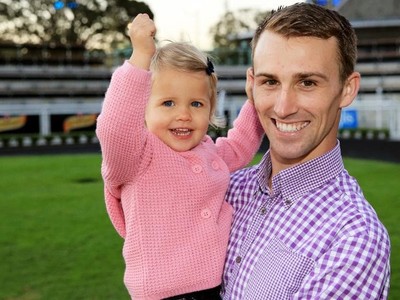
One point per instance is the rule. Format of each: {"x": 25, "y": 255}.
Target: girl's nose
{"x": 183, "y": 114}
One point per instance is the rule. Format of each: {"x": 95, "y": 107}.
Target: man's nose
{"x": 285, "y": 103}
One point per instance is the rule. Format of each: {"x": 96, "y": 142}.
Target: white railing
{"x": 379, "y": 113}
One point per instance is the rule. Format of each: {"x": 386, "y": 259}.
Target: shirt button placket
{"x": 254, "y": 227}
{"x": 263, "y": 211}
{"x": 288, "y": 202}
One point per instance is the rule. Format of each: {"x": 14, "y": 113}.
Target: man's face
{"x": 298, "y": 95}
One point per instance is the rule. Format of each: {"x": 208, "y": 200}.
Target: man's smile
{"x": 290, "y": 127}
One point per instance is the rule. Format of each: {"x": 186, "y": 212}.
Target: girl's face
{"x": 178, "y": 112}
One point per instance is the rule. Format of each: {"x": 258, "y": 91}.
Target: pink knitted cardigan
{"x": 167, "y": 205}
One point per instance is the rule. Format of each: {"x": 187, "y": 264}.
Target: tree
{"x": 233, "y": 24}
{"x": 227, "y": 33}
{"x": 95, "y": 24}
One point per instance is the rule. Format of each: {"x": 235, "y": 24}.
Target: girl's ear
{"x": 249, "y": 84}
{"x": 350, "y": 89}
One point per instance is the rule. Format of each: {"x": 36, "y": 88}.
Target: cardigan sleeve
{"x": 122, "y": 135}
{"x": 243, "y": 140}
{"x": 120, "y": 125}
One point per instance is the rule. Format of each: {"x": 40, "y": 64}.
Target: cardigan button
{"x": 205, "y": 213}
{"x": 197, "y": 169}
{"x": 215, "y": 165}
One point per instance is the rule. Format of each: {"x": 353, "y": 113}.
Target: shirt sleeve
{"x": 355, "y": 268}
{"x": 243, "y": 140}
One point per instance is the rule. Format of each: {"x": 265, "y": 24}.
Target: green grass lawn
{"x": 56, "y": 241}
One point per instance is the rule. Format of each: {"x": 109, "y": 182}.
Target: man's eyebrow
{"x": 264, "y": 75}
{"x": 298, "y": 76}
{"x": 311, "y": 74}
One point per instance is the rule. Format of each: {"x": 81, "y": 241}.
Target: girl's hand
{"x": 141, "y": 33}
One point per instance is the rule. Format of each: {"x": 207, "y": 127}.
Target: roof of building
{"x": 371, "y": 10}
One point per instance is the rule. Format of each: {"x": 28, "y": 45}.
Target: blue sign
{"x": 72, "y": 5}
{"x": 322, "y": 2}
{"x": 348, "y": 119}
{"x": 58, "y": 5}
{"x": 326, "y": 2}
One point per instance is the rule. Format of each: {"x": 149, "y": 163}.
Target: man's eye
{"x": 168, "y": 103}
{"x": 270, "y": 82}
{"x": 308, "y": 83}
{"x": 197, "y": 104}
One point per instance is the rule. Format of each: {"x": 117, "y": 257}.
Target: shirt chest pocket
{"x": 278, "y": 273}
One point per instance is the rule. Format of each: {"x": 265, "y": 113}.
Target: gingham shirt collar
{"x": 296, "y": 181}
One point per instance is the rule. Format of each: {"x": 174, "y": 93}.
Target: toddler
{"x": 164, "y": 177}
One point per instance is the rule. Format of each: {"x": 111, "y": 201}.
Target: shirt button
{"x": 263, "y": 211}
{"x": 205, "y": 213}
{"x": 238, "y": 259}
{"x": 215, "y": 165}
{"x": 288, "y": 201}
{"x": 197, "y": 169}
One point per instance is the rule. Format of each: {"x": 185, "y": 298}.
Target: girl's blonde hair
{"x": 187, "y": 58}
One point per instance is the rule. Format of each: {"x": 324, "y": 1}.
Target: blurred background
{"x": 56, "y": 60}
{"x": 57, "y": 57}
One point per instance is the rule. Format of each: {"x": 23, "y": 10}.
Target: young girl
{"x": 164, "y": 178}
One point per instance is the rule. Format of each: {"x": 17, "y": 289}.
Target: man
{"x": 302, "y": 228}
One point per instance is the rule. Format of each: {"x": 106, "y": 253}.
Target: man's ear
{"x": 350, "y": 89}
{"x": 249, "y": 84}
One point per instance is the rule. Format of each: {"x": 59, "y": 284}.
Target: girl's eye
{"x": 168, "y": 103}
{"x": 197, "y": 104}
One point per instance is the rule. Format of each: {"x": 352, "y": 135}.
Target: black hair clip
{"x": 210, "y": 67}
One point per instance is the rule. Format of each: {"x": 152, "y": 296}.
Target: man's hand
{"x": 141, "y": 33}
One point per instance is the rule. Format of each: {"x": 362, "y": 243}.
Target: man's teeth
{"x": 181, "y": 131}
{"x": 284, "y": 127}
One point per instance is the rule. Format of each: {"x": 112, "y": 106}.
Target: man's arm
{"x": 357, "y": 267}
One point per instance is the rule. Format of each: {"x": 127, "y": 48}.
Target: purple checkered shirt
{"x": 313, "y": 237}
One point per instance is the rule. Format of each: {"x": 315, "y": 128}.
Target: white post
{"x": 44, "y": 121}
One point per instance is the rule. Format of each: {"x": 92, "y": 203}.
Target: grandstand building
{"x": 52, "y": 95}
{"x": 376, "y": 112}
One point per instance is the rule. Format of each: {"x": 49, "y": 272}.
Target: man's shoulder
{"x": 363, "y": 219}
{"x": 244, "y": 176}
{"x": 242, "y": 185}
